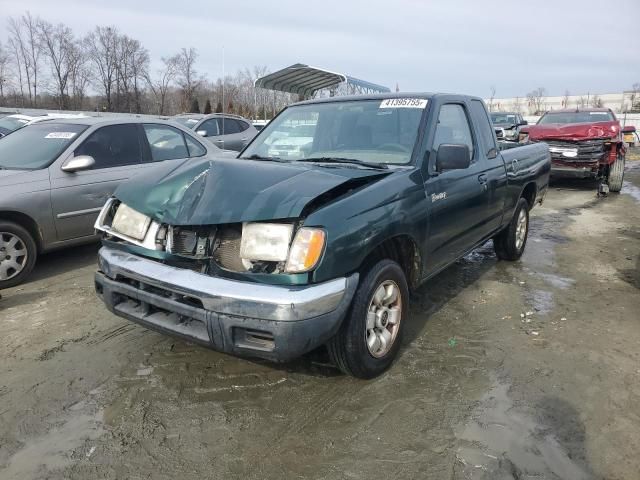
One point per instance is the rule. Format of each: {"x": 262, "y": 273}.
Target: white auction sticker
{"x": 404, "y": 103}
{"x": 65, "y": 135}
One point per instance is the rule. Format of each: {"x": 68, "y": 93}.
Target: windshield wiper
{"x": 260, "y": 157}
{"x": 379, "y": 166}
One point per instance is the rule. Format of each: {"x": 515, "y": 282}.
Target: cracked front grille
{"x": 584, "y": 151}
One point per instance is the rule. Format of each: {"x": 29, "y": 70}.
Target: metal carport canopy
{"x": 305, "y": 80}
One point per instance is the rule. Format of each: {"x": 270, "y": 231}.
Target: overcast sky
{"x": 463, "y": 46}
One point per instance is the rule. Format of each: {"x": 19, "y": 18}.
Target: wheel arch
{"x": 529, "y": 193}
{"x": 402, "y": 249}
{"x": 26, "y": 222}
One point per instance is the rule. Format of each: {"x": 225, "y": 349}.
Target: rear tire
{"x": 18, "y": 252}
{"x": 369, "y": 338}
{"x": 509, "y": 243}
{"x": 616, "y": 174}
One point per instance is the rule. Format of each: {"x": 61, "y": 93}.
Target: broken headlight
{"x": 271, "y": 242}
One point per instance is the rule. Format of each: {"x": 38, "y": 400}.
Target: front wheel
{"x": 616, "y": 174}
{"x": 17, "y": 254}
{"x": 369, "y": 338}
{"x": 509, "y": 243}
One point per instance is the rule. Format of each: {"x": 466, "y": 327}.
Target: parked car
{"x": 226, "y": 131}
{"x": 55, "y": 176}
{"x": 294, "y": 143}
{"x": 11, "y": 123}
{"x": 266, "y": 257}
{"x": 507, "y": 125}
{"x": 584, "y": 143}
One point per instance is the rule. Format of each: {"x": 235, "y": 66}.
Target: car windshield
{"x": 503, "y": 118}
{"x": 189, "y": 122}
{"x": 12, "y": 123}
{"x": 576, "y": 117}
{"x": 372, "y": 131}
{"x": 36, "y": 146}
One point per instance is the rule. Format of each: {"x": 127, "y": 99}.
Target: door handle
{"x": 482, "y": 178}
{"x": 244, "y": 139}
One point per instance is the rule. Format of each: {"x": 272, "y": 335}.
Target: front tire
{"x": 369, "y": 338}
{"x": 616, "y": 174}
{"x": 509, "y": 243}
{"x": 18, "y": 254}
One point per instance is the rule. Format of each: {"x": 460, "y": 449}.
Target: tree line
{"x": 45, "y": 65}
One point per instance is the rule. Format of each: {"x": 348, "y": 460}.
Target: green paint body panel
{"x": 444, "y": 214}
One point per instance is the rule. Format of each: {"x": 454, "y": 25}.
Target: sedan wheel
{"x": 13, "y": 256}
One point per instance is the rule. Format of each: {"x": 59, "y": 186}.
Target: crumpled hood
{"x": 226, "y": 190}
{"x": 574, "y": 131}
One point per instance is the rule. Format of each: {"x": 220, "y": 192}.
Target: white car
{"x": 11, "y": 123}
{"x": 293, "y": 142}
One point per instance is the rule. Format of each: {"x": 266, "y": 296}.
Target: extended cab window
{"x": 165, "y": 143}
{"x": 113, "y": 146}
{"x": 453, "y": 127}
{"x": 487, "y": 134}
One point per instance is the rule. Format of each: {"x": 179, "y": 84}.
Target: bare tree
{"x": 536, "y": 100}
{"x": 565, "y": 99}
{"x": 160, "y": 85}
{"x": 4, "y": 71}
{"x": 517, "y": 105}
{"x": 493, "y": 95}
{"x": 101, "y": 49}
{"x": 596, "y": 101}
{"x": 635, "y": 96}
{"x": 187, "y": 76}
{"x": 80, "y": 74}
{"x": 57, "y": 43}
{"x": 26, "y": 51}
{"x": 581, "y": 102}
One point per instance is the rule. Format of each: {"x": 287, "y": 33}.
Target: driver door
{"x": 78, "y": 197}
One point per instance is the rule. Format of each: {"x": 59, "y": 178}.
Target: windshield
{"x": 12, "y": 123}
{"x": 189, "y": 122}
{"x": 372, "y": 131}
{"x": 504, "y": 118}
{"x": 36, "y": 146}
{"x": 576, "y": 117}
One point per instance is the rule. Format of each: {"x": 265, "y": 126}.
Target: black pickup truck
{"x": 317, "y": 238}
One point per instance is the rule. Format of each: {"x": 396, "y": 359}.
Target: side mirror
{"x": 523, "y": 122}
{"x": 202, "y": 133}
{"x": 75, "y": 164}
{"x": 452, "y": 157}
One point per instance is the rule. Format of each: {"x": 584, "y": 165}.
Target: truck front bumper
{"x": 249, "y": 319}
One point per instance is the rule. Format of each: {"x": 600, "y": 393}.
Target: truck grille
{"x": 583, "y": 151}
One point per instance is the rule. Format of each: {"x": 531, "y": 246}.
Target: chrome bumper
{"x": 218, "y": 312}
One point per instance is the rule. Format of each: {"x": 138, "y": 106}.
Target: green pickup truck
{"x": 315, "y": 236}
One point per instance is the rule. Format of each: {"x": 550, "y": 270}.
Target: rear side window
{"x": 195, "y": 148}
{"x": 243, "y": 125}
{"x": 210, "y": 127}
{"x": 453, "y": 127}
{"x": 228, "y": 126}
{"x": 485, "y": 130}
{"x": 165, "y": 143}
{"x": 113, "y": 146}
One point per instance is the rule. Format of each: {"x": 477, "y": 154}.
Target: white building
{"x": 618, "y": 102}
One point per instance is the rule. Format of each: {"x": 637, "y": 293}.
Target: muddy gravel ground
{"x": 525, "y": 370}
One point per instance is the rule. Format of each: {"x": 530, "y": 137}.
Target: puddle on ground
{"x": 541, "y": 301}
{"x": 61, "y": 446}
{"x": 556, "y": 280}
{"x": 500, "y": 442}
{"x": 629, "y": 188}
